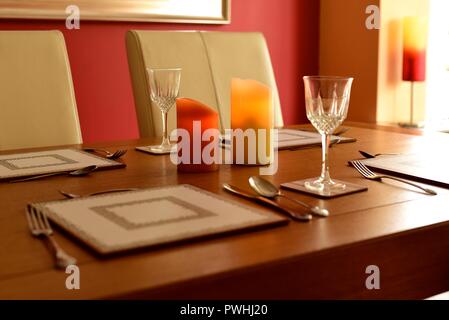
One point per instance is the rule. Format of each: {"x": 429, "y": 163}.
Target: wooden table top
{"x": 402, "y": 231}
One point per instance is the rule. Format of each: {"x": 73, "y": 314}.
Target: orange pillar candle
{"x": 414, "y": 52}
{"x": 252, "y": 108}
{"x": 196, "y": 118}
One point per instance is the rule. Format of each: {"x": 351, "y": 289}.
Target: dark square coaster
{"x": 299, "y": 186}
{"x": 148, "y": 149}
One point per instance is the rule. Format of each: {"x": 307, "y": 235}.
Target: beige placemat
{"x": 50, "y": 161}
{"x": 430, "y": 167}
{"x": 128, "y": 220}
{"x": 291, "y": 138}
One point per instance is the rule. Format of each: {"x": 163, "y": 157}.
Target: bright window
{"x": 437, "y": 98}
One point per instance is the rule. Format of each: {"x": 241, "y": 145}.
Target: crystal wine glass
{"x": 327, "y": 102}
{"x": 164, "y": 89}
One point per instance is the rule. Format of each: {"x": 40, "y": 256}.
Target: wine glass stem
{"x": 325, "y": 175}
{"x": 165, "y": 138}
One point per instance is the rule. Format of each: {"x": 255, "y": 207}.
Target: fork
{"x": 110, "y": 155}
{"x": 40, "y": 227}
{"x": 368, "y": 174}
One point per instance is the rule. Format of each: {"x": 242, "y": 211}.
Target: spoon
{"x": 266, "y": 189}
{"x": 77, "y": 173}
{"x": 371, "y": 156}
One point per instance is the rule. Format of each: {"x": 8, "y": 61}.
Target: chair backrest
{"x": 209, "y": 60}
{"x": 37, "y": 100}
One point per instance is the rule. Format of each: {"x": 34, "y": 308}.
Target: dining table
{"x": 398, "y": 229}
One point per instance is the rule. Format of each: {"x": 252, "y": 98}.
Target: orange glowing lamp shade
{"x": 414, "y": 52}
{"x": 196, "y": 118}
{"x": 252, "y": 108}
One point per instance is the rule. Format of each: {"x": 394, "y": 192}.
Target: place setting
{"x": 21, "y": 167}
{"x": 427, "y": 167}
{"x": 122, "y": 220}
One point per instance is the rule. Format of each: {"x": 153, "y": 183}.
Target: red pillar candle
{"x": 196, "y": 118}
{"x": 414, "y": 52}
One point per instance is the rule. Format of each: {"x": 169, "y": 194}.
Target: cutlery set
{"x": 266, "y": 192}
{"x": 294, "y": 215}
{"x": 109, "y": 155}
{"x": 76, "y": 173}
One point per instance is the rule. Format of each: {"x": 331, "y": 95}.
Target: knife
{"x": 296, "y": 216}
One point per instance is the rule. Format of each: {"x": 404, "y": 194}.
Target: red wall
{"x": 100, "y": 72}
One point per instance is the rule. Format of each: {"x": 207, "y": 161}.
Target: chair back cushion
{"x": 37, "y": 100}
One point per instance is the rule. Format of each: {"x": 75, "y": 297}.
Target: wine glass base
{"x": 411, "y": 125}
{"x": 327, "y": 187}
{"x": 161, "y": 149}
{"x": 299, "y": 185}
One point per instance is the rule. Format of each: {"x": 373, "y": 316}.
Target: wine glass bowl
{"x": 164, "y": 90}
{"x": 327, "y": 103}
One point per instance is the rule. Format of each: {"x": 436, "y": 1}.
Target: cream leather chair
{"x": 208, "y": 60}
{"x": 37, "y": 101}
